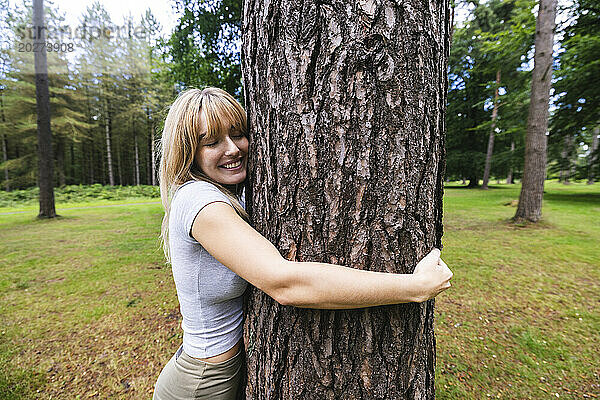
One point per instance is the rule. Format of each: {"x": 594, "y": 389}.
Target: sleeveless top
{"x": 209, "y": 293}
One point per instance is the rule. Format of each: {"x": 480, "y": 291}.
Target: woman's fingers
{"x": 446, "y": 269}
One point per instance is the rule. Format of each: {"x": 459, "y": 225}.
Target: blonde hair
{"x": 181, "y": 138}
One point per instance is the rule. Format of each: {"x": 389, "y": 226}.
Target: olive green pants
{"x": 185, "y": 377}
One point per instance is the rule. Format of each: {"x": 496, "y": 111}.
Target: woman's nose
{"x": 231, "y": 149}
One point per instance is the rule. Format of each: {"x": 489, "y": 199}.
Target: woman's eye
{"x": 211, "y": 144}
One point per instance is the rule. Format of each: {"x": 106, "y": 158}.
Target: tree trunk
{"x": 150, "y": 152}
{"x": 72, "y": 166}
{"x": 566, "y": 155}
{"x": 593, "y": 156}
{"x": 107, "y": 128}
{"x": 60, "y": 160}
{"x": 92, "y": 175}
{"x": 84, "y": 163}
{"x": 153, "y": 158}
{"x": 346, "y": 106}
{"x": 42, "y": 97}
{"x": 4, "y": 145}
{"x": 137, "y": 154}
{"x": 534, "y": 172}
{"x": 119, "y": 164}
{"x": 473, "y": 181}
{"x": 490, "y": 146}
{"x": 5, "y": 159}
{"x": 509, "y": 178}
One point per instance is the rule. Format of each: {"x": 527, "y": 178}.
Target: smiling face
{"x": 222, "y": 155}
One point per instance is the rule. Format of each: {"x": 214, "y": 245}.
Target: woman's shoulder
{"x": 194, "y": 186}
{"x": 190, "y": 198}
{"x": 194, "y": 191}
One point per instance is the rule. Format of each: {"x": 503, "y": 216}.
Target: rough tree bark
{"x": 534, "y": 172}
{"x": 490, "y": 146}
{"x": 42, "y": 97}
{"x": 346, "y": 104}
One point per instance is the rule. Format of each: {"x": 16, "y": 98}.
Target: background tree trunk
{"x": 5, "y": 159}
{"x": 137, "y": 154}
{"x": 73, "y": 178}
{"x": 490, "y": 146}
{"x": 4, "y": 146}
{"x": 346, "y": 103}
{"x": 153, "y": 157}
{"x": 60, "y": 160}
{"x": 42, "y": 97}
{"x": 592, "y": 158}
{"x": 150, "y": 152}
{"x": 566, "y": 159}
{"x": 119, "y": 163}
{"x": 92, "y": 175}
{"x": 534, "y": 172}
{"x": 107, "y": 129}
{"x": 509, "y": 178}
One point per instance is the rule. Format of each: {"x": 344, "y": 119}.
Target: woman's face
{"x": 223, "y": 159}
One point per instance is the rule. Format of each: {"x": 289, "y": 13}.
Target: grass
{"x": 522, "y": 320}
{"x": 89, "y": 310}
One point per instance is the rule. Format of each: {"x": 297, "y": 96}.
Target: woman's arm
{"x": 233, "y": 242}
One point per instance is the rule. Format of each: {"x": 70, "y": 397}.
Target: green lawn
{"x": 89, "y": 310}
{"x": 522, "y": 319}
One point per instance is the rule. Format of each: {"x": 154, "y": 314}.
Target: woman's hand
{"x": 433, "y": 275}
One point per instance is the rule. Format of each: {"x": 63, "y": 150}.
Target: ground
{"x": 89, "y": 309}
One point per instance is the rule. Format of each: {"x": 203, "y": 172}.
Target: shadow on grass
{"x": 576, "y": 198}
{"x": 490, "y": 187}
{"x": 511, "y": 223}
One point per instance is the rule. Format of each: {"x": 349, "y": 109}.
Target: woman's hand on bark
{"x": 433, "y": 276}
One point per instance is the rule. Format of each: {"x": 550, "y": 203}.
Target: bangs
{"x": 222, "y": 114}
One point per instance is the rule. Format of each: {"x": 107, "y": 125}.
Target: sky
{"x": 162, "y": 10}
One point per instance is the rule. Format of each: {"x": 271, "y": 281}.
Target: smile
{"x": 234, "y": 165}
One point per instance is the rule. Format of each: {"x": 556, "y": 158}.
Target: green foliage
{"x": 578, "y": 93}
{"x": 204, "y": 47}
{"x": 116, "y": 86}
{"x": 497, "y": 37}
{"x": 79, "y": 194}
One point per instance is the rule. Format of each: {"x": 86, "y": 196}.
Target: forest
{"x": 109, "y": 93}
{"x": 375, "y": 129}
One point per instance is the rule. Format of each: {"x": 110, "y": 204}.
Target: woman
{"x": 214, "y": 252}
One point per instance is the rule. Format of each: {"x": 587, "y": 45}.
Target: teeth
{"x": 233, "y": 165}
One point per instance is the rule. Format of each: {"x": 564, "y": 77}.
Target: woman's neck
{"x": 232, "y": 188}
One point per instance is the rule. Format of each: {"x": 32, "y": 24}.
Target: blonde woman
{"x": 215, "y": 253}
